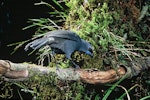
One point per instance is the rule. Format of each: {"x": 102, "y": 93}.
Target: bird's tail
{"x": 36, "y": 44}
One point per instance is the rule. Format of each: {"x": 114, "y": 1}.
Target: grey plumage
{"x": 62, "y": 42}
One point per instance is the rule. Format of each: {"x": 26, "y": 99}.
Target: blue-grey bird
{"x": 62, "y": 42}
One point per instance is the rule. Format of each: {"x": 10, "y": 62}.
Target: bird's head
{"x": 87, "y": 48}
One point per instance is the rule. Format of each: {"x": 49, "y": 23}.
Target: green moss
{"x": 6, "y": 90}
{"x": 107, "y": 25}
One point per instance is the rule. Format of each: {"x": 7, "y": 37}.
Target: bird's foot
{"x": 57, "y": 67}
{"x": 76, "y": 66}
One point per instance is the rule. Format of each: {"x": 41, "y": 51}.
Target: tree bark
{"x": 10, "y": 71}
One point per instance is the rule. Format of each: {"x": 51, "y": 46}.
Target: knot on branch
{"x": 13, "y": 70}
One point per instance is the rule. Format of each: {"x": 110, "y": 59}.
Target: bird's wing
{"x": 56, "y": 39}
{"x": 66, "y": 46}
{"x": 64, "y": 34}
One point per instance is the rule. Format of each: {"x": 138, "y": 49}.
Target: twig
{"x": 128, "y": 96}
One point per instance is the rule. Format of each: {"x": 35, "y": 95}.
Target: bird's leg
{"x": 68, "y": 56}
{"x": 76, "y": 66}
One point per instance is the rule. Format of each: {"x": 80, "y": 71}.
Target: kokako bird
{"x": 62, "y": 42}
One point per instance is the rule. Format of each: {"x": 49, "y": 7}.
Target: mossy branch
{"x": 22, "y": 71}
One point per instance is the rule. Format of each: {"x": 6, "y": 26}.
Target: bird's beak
{"x": 90, "y": 54}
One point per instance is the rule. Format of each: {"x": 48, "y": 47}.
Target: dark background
{"x": 14, "y": 15}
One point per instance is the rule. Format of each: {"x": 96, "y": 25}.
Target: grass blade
{"x": 112, "y": 88}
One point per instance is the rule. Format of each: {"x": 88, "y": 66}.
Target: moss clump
{"x": 109, "y": 26}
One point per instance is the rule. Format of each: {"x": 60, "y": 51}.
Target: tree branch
{"x": 22, "y": 71}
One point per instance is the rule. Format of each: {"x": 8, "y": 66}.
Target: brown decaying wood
{"x": 102, "y": 77}
{"x": 4, "y": 67}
